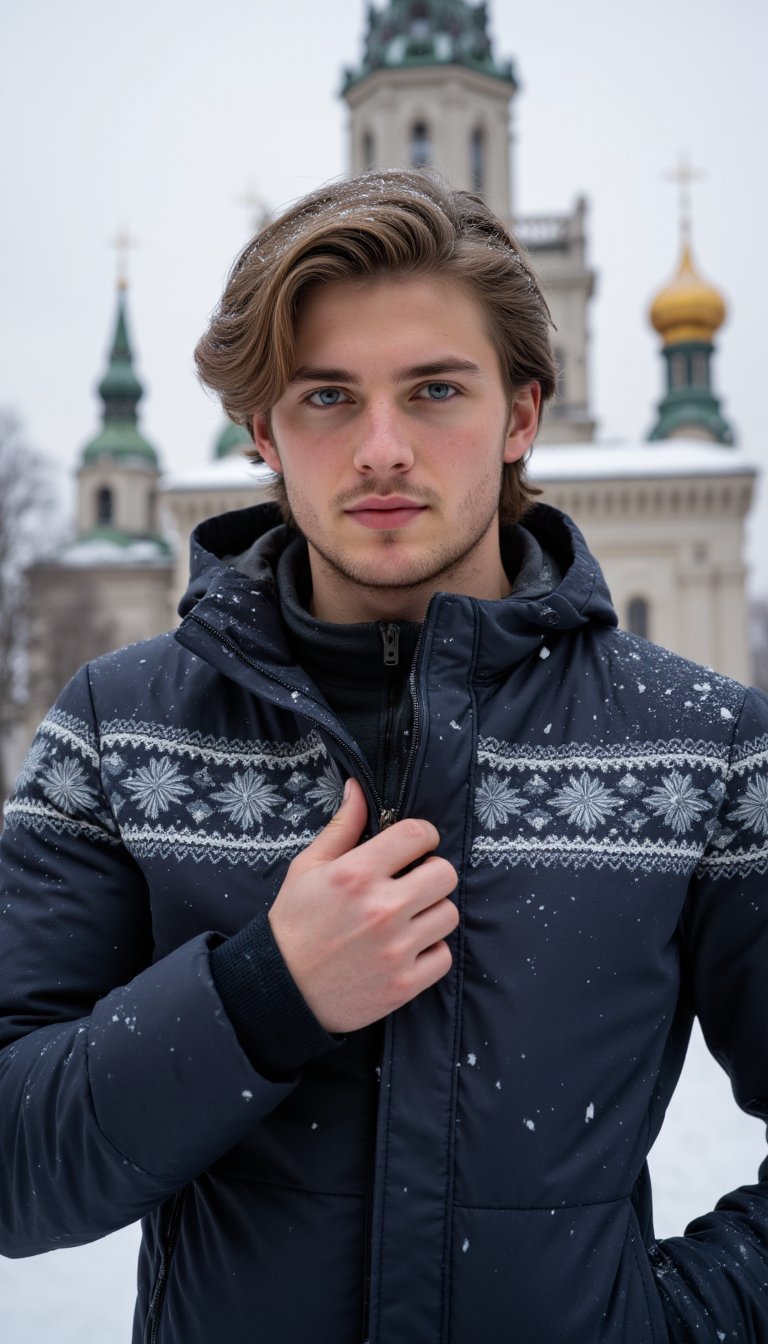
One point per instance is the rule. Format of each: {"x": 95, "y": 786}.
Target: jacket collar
{"x": 243, "y": 609}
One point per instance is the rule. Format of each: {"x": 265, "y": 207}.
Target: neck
{"x": 340, "y": 599}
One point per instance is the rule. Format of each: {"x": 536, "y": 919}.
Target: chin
{"x": 387, "y": 574}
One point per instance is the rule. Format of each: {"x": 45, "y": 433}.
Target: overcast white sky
{"x": 160, "y": 115}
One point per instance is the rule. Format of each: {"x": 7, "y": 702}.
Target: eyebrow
{"x": 307, "y": 373}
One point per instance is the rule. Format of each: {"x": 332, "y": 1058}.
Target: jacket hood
{"x": 580, "y": 596}
{"x": 226, "y": 535}
{"x": 224, "y": 598}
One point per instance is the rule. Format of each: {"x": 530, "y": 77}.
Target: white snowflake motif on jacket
{"x": 328, "y": 791}
{"x": 678, "y": 802}
{"x": 32, "y": 763}
{"x": 66, "y": 786}
{"x": 585, "y": 801}
{"x": 156, "y": 786}
{"x": 247, "y": 798}
{"x": 752, "y": 811}
{"x": 495, "y": 801}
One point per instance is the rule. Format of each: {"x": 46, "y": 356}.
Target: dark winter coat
{"x": 606, "y": 806}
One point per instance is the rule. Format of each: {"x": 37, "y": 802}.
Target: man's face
{"x": 391, "y": 438}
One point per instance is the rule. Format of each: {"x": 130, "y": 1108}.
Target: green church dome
{"x": 233, "y": 440}
{"x": 120, "y": 392}
{"x": 428, "y": 32}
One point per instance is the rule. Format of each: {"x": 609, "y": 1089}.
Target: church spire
{"x": 120, "y": 392}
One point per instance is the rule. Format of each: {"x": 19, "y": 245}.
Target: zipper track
{"x": 416, "y": 726}
{"x": 385, "y": 817}
{"x": 161, "y": 1282}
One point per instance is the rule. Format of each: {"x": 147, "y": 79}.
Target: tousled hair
{"x": 398, "y": 224}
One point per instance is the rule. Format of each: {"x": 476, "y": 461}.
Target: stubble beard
{"x": 437, "y": 568}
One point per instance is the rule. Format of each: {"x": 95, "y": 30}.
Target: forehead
{"x": 369, "y": 309}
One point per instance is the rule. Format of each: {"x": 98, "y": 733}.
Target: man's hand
{"x": 359, "y": 941}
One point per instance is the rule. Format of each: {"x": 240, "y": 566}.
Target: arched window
{"x": 104, "y": 506}
{"x": 369, "y": 152}
{"x": 477, "y": 158}
{"x": 700, "y": 366}
{"x": 419, "y": 25}
{"x": 421, "y": 145}
{"x": 638, "y": 614}
{"x": 679, "y": 369}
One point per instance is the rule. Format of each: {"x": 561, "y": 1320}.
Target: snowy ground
{"x": 85, "y": 1296}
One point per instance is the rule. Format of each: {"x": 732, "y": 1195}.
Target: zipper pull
{"x": 390, "y": 637}
{"x": 387, "y": 817}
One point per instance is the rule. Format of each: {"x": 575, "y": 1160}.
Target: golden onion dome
{"x": 687, "y": 309}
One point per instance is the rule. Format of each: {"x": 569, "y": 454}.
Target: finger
{"x": 398, "y": 846}
{"x": 425, "y": 970}
{"x": 432, "y": 964}
{"x": 437, "y": 922}
{"x": 343, "y": 830}
{"x": 426, "y": 884}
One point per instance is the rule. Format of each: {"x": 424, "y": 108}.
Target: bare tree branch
{"x": 26, "y": 513}
{"x": 759, "y": 641}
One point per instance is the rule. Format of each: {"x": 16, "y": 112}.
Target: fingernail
{"x": 347, "y": 790}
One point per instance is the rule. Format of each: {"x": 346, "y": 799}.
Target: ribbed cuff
{"x": 274, "y": 1025}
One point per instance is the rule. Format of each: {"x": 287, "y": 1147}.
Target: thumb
{"x": 343, "y": 830}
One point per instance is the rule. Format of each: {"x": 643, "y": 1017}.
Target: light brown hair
{"x": 402, "y": 223}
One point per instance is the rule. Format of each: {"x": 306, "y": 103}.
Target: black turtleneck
{"x": 362, "y": 670}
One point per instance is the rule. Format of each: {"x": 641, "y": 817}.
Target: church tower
{"x": 429, "y": 92}
{"x": 686, "y": 314}
{"x": 119, "y": 469}
{"x": 110, "y": 585}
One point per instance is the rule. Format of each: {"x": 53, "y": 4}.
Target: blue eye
{"x": 327, "y": 396}
{"x": 439, "y": 391}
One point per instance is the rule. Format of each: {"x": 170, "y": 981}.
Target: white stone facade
{"x": 124, "y": 487}
{"x": 667, "y": 525}
{"x": 453, "y": 104}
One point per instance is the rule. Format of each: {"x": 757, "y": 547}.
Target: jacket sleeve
{"x": 712, "y": 1281}
{"x": 120, "y": 1079}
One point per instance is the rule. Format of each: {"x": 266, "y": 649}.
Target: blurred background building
{"x": 665, "y": 516}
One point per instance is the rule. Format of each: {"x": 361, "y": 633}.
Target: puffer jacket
{"x": 605, "y": 804}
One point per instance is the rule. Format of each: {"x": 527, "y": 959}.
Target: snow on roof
{"x": 103, "y": 551}
{"x": 235, "y": 472}
{"x": 638, "y": 460}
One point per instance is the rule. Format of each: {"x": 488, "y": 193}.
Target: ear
{"x": 262, "y": 441}
{"x": 523, "y": 421}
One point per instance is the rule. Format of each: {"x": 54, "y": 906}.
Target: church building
{"x": 665, "y": 516}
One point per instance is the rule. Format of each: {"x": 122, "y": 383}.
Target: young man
{"x": 352, "y": 933}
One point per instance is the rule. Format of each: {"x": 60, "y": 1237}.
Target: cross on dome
{"x": 684, "y": 175}
{"x": 122, "y": 242}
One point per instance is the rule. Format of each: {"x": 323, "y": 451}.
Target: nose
{"x": 384, "y": 443}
